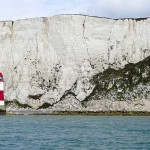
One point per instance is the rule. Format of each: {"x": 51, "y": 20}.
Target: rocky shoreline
{"x": 84, "y": 113}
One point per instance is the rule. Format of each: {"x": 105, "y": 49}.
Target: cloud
{"x": 19, "y": 9}
{"x": 120, "y": 8}
{"x": 16, "y": 9}
{"x": 69, "y": 6}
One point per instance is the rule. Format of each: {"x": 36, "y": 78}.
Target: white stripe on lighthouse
{"x": 1, "y": 103}
{"x": 1, "y": 86}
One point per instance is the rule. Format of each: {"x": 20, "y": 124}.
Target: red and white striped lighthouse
{"x": 1, "y": 90}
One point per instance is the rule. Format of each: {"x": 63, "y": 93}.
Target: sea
{"x": 74, "y": 132}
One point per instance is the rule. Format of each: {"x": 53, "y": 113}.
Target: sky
{"x": 21, "y": 9}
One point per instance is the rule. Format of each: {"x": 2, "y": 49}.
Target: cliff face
{"x": 74, "y": 62}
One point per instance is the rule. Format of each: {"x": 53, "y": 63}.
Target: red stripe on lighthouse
{"x": 1, "y": 95}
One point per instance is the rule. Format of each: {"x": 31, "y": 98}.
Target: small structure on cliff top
{"x": 2, "y": 104}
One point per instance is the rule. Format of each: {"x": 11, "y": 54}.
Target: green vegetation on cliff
{"x": 130, "y": 83}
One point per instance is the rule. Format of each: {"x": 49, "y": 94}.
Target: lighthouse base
{"x": 2, "y": 110}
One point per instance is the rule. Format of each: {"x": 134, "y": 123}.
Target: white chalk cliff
{"x": 50, "y": 62}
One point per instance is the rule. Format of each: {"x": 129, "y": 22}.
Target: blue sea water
{"x": 74, "y": 133}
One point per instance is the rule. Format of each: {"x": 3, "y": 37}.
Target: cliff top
{"x": 136, "y": 19}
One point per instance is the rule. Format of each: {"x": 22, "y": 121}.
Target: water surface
{"x": 74, "y": 132}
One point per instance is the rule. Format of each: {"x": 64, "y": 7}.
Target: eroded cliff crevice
{"x": 85, "y": 38}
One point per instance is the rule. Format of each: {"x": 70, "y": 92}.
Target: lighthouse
{"x": 2, "y": 104}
